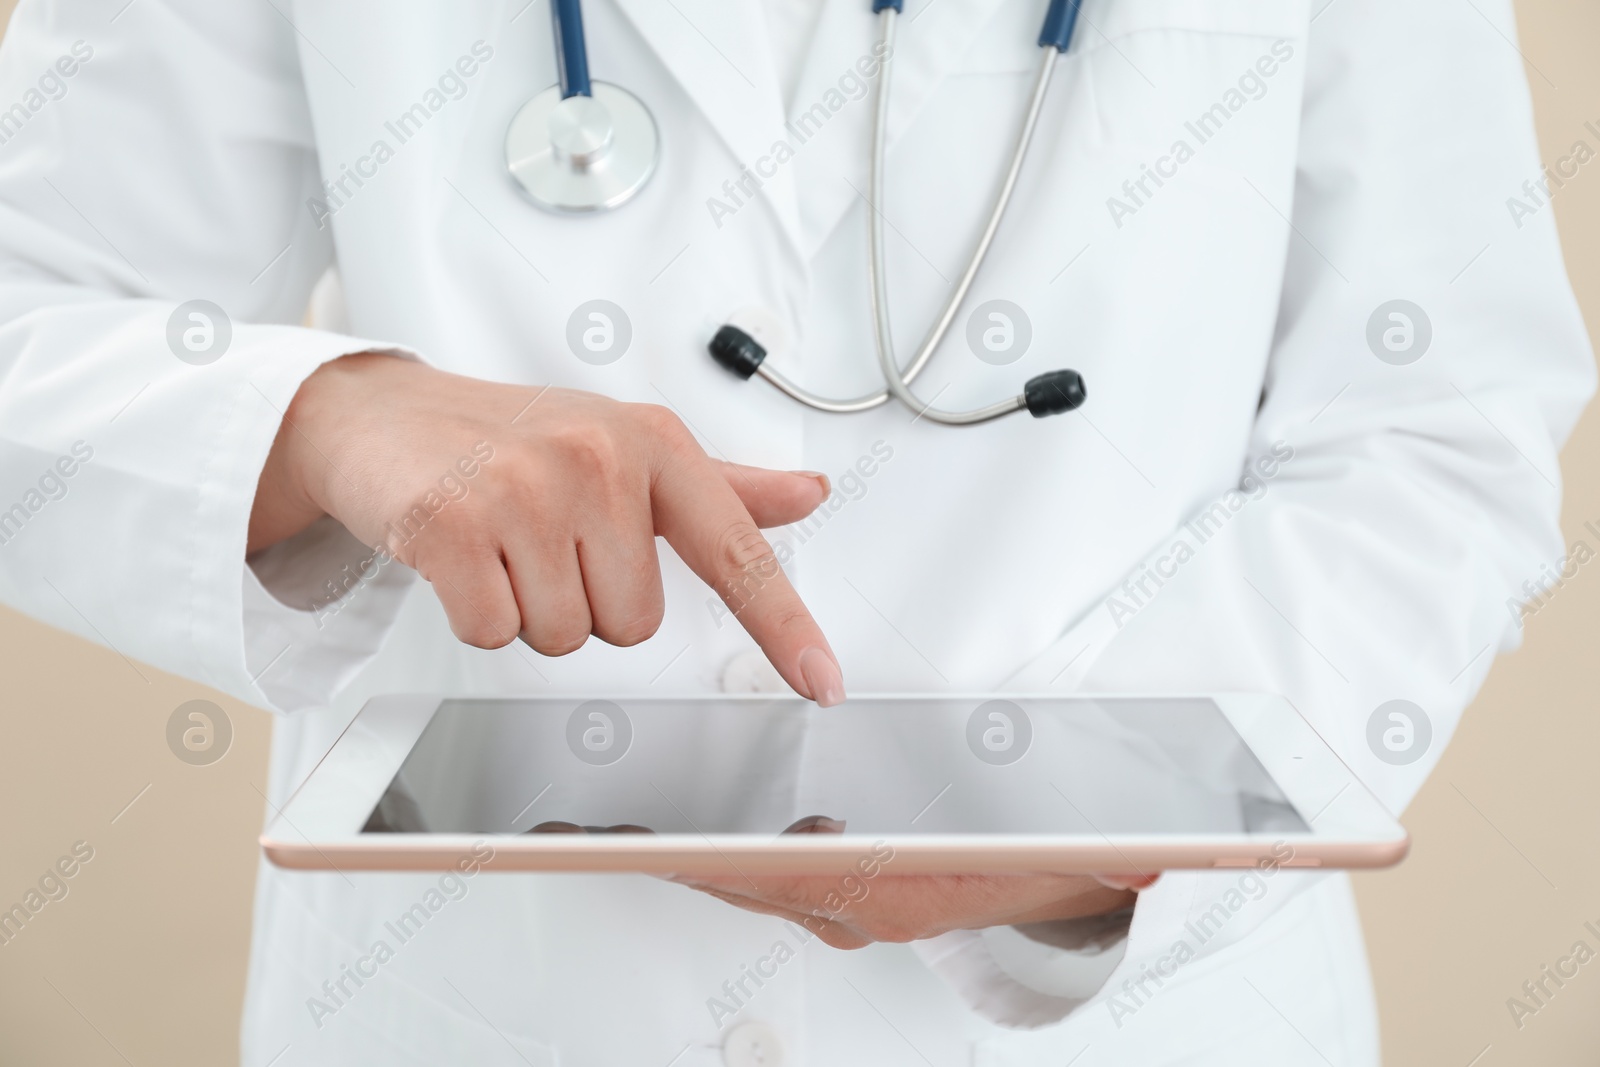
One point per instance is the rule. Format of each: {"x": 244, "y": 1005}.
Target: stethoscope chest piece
{"x": 582, "y": 153}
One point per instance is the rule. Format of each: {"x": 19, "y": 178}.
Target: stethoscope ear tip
{"x": 737, "y": 351}
{"x": 1054, "y": 392}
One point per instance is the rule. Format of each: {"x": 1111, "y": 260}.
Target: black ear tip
{"x": 1053, "y": 392}
{"x": 737, "y": 351}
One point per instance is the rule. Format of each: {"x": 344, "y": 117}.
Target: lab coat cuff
{"x": 1019, "y": 982}
{"x": 317, "y": 607}
{"x": 1024, "y": 978}
{"x": 292, "y": 652}
{"x": 1189, "y": 916}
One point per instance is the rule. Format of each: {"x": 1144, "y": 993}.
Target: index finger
{"x": 703, "y": 519}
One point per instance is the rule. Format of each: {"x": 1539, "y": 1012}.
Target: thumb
{"x": 776, "y": 498}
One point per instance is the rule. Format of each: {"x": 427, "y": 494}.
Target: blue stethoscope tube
{"x": 572, "y": 54}
{"x": 1059, "y": 21}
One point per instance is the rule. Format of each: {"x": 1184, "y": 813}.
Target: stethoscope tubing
{"x": 580, "y": 168}
{"x": 572, "y": 51}
{"x": 898, "y": 386}
{"x": 897, "y": 381}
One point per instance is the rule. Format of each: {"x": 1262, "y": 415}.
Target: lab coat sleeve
{"x": 158, "y": 157}
{"x": 1386, "y": 559}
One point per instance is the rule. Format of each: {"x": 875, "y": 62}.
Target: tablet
{"x": 775, "y": 785}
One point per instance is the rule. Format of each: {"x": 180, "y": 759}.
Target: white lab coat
{"x": 1213, "y": 315}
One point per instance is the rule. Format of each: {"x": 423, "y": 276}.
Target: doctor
{"x": 1329, "y": 374}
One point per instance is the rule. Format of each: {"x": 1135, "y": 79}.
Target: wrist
{"x": 291, "y": 492}
{"x": 323, "y": 416}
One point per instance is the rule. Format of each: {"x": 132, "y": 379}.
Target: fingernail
{"x": 827, "y": 486}
{"x": 822, "y": 677}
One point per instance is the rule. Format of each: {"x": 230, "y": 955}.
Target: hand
{"x": 553, "y": 536}
{"x": 853, "y": 911}
{"x": 864, "y": 905}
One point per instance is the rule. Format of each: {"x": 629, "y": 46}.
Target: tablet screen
{"x": 872, "y": 767}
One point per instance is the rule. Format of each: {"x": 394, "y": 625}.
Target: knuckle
{"x": 663, "y": 423}
{"x": 790, "y": 616}
{"x": 557, "y": 645}
{"x": 590, "y": 451}
{"x": 469, "y": 532}
{"x": 480, "y": 631}
{"x": 654, "y": 417}
{"x": 476, "y": 618}
{"x": 496, "y": 484}
{"x": 635, "y": 627}
{"x": 561, "y": 633}
{"x": 742, "y": 552}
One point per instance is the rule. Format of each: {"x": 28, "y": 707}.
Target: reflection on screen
{"x": 875, "y": 767}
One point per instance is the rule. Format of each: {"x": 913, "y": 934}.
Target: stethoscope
{"x": 583, "y": 146}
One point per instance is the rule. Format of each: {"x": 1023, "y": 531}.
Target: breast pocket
{"x": 1156, "y": 199}
{"x": 1009, "y": 42}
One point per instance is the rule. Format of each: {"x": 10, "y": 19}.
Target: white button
{"x": 751, "y": 672}
{"x": 752, "y": 1044}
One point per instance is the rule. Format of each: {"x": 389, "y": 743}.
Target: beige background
{"x": 144, "y": 960}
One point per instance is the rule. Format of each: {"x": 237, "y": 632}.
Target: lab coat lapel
{"x": 830, "y": 164}
{"x": 722, "y": 56}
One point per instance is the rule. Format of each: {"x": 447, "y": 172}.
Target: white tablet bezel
{"x": 319, "y": 827}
